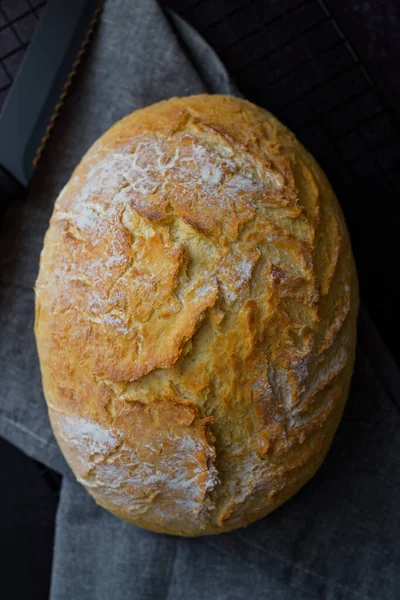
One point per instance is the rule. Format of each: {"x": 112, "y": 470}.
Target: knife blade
{"x": 39, "y": 90}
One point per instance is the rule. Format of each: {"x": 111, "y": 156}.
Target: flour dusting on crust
{"x": 165, "y": 477}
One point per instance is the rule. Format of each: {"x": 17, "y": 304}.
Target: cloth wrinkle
{"x": 28, "y": 431}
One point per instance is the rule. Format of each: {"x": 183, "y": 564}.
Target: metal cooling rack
{"x": 18, "y": 19}
{"x": 291, "y": 57}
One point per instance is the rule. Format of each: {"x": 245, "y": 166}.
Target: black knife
{"x": 39, "y": 90}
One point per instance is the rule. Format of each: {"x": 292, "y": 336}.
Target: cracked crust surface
{"x": 195, "y": 316}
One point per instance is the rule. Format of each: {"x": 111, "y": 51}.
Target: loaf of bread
{"x": 196, "y": 316}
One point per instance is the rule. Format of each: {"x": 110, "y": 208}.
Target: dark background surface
{"x": 329, "y": 70}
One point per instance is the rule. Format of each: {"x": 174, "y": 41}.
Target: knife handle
{"x": 10, "y": 189}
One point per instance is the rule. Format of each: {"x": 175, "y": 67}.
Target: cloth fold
{"x": 339, "y": 537}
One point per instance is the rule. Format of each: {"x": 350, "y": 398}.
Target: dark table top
{"x": 328, "y": 69}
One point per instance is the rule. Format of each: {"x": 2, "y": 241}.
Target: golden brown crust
{"x": 196, "y": 308}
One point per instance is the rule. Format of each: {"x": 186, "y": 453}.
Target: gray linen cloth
{"x": 339, "y": 538}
